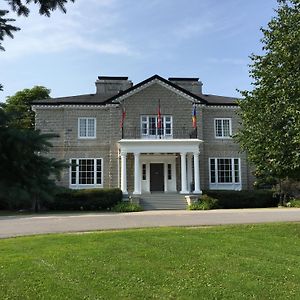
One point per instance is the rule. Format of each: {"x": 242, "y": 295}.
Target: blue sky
{"x": 209, "y": 39}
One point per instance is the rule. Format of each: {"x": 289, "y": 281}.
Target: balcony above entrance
{"x": 160, "y": 145}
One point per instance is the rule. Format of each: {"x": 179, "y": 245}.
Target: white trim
{"x": 221, "y": 106}
{"x": 156, "y": 136}
{"x": 77, "y": 106}
{"x": 95, "y": 128}
{"x": 84, "y": 186}
{"x": 225, "y": 185}
{"x": 160, "y": 146}
{"x": 230, "y": 128}
{"x": 169, "y": 185}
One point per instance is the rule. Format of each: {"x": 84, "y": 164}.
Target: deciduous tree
{"x": 20, "y": 105}
{"x": 271, "y": 111}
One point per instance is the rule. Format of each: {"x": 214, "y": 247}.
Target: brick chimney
{"x": 193, "y": 85}
{"x": 112, "y": 85}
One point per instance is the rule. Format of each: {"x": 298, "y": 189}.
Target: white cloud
{"x": 230, "y": 61}
{"x": 88, "y": 25}
{"x": 195, "y": 28}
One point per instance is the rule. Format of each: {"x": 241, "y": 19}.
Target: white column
{"x": 123, "y": 173}
{"x": 137, "y": 174}
{"x": 196, "y": 174}
{"x": 183, "y": 173}
{"x": 189, "y": 172}
{"x": 166, "y": 177}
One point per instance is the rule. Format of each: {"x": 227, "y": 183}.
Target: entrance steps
{"x": 161, "y": 201}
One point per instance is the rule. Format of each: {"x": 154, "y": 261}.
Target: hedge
{"x": 205, "y": 202}
{"x": 87, "y": 199}
{"x": 243, "y": 199}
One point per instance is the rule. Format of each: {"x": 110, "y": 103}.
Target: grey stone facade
{"x": 60, "y": 116}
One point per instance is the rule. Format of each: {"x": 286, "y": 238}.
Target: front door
{"x": 156, "y": 177}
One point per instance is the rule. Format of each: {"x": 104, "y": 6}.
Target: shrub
{"x": 126, "y": 207}
{"x": 204, "y": 203}
{"x": 244, "y": 199}
{"x": 87, "y": 199}
{"x": 294, "y": 203}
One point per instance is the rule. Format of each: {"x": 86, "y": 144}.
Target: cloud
{"x": 89, "y": 25}
{"x": 192, "y": 29}
{"x": 229, "y": 61}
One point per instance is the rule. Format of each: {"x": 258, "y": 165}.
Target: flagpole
{"x": 159, "y": 120}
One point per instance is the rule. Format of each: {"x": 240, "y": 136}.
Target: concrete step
{"x": 163, "y": 201}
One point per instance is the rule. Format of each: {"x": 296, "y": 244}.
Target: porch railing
{"x": 177, "y": 133}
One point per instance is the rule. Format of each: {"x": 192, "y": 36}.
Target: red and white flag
{"x": 158, "y": 116}
{"x": 123, "y": 117}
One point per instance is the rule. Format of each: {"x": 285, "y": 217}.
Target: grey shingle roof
{"x": 80, "y": 99}
{"x": 99, "y": 99}
{"x": 219, "y": 100}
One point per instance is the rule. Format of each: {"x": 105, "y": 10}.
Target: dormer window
{"x": 149, "y": 127}
{"x": 223, "y": 128}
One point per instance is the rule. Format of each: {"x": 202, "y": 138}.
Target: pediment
{"x": 156, "y": 79}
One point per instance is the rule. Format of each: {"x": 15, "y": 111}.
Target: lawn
{"x": 224, "y": 262}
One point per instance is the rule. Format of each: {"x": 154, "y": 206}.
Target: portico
{"x": 155, "y": 168}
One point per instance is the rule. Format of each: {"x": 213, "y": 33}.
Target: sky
{"x": 209, "y": 39}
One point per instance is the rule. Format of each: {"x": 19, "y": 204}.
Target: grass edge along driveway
{"x": 222, "y": 262}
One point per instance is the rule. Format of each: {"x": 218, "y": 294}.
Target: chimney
{"x": 193, "y": 85}
{"x": 112, "y": 85}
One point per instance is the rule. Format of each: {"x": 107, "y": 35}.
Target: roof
{"x": 219, "y": 100}
{"x": 157, "y": 77}
{"x": 112, "y": 78}
{"x": 98, "y": 99}
{"x": 80, "y": 99}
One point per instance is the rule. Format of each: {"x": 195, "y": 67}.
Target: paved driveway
{"x": 54, "y": 223}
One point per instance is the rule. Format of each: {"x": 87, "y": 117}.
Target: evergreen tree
{"x": 20, "y": 105}
{"x": 27, "y": 176}
{"x": 271, "y": 111}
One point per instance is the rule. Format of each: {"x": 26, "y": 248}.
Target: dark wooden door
{"x": 156, "y": 177}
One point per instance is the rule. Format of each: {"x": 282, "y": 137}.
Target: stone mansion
{"x": 160, "y": 135}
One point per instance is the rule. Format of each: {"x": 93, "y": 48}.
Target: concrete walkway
{"x": 11, "y": 226}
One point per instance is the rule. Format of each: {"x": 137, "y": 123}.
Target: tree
{"x": 270, "y": 113}
{"x": 26, "y": 175}
{"x": 20, "y": 105}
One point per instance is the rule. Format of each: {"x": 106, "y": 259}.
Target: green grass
{"x": 224, "y": 262}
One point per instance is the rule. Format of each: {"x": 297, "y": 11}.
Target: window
{"x": 86, "y": 172}
{"x": 169, "y": 172}
{"x": 224, "y": 170}
{"x": 149, "y": 127}
{"x": 144, "y": 176}
{"x": 87, "y": 128}
{"x": 223, "y": 128}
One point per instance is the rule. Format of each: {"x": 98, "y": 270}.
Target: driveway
{"x": 11, "y": 226}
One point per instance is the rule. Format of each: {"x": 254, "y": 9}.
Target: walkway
{"x": 11, "y": 226}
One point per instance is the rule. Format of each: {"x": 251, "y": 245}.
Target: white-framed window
{"x": 149, "y": 127}
{"x": 86, "y": 172}
{"x": 225, "y": 172}
{"x": 223, "y": 128}
{"x": 87, "y": 128}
